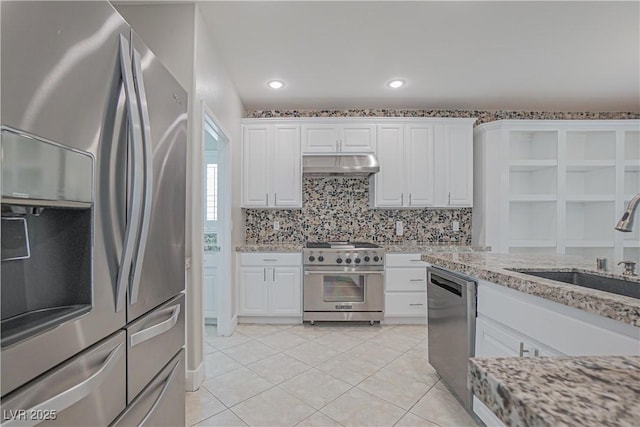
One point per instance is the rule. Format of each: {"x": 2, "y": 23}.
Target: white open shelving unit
{"x": 556, "y": 186}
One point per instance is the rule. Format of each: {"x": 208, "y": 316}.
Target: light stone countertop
{"x": 389, "y": 248}
{"x": 559, "y": 391}
{"x": 270, "y": 247}
{"x": 431, "y": 248}
{"x": 494, "y": 267}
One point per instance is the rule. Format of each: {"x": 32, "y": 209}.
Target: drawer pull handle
{"x": 155, "y": 330}
{"x": 415, "y": 260}
{"x": 417, "y": 280}
{"x": 415, "y": 305}
{"x": 269, "y": 260}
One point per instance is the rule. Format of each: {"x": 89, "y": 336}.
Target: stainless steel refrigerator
{"x": 94, "y": 133}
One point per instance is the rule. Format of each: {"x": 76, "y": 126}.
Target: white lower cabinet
{"x": 515, "y": 324}
{"x": 405, "y": 297}
{"x": 269, "y": 284}
{"x": 210, "y": 275}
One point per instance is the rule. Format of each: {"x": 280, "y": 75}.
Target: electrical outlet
{"x": 399, "y": 228}
{"x": 455, "y": 226}
{"x": 276, "y": 225}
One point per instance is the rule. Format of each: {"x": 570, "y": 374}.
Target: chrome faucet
{"x": 629, "y": 268}
{"x": 626, "y": 222}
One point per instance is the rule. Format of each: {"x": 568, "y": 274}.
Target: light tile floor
{"x": 329, "y": 374}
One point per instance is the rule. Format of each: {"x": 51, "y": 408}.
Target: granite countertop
{"x": 270, "y": 247}
{"x": 552, "y": 391}
{"x": 392, "y": 248}
{"x": 432, "y": 248}
{"x": 495, "y": 268}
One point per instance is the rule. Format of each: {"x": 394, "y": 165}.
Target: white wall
{"x": 178, "y": 36}
{"x": 214, "y": 86}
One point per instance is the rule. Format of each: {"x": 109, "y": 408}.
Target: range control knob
{"x": 339, "y": 260}
{"x": 358, "y": 260}
{"x": 312, "y": 258}
{"x": 367, "y": 259}
{"x": 320, "y": 258}
{"x": 376, "y": 258}
{"x": 348, "y": 260}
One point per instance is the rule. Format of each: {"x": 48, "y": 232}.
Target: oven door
{"x": 343, "y": 290}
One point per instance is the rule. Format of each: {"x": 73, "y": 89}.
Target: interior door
{"x": 61, "y": 80}
{"x": 161, "y": 274}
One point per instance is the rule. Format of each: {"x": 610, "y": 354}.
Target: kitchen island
{"x": 498, "y": 269}
{"x": 551, "y": 391}
{"x": 595, "y": 375}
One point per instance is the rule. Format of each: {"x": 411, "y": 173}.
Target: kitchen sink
{"x": 607, "y": 284}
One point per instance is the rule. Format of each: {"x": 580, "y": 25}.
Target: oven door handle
{"x": 306, "y": 273}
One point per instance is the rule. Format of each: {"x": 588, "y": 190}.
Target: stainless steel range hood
{"x": 350, "y": 164}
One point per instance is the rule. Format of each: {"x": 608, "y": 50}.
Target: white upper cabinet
{"x": 389, "y": 182}
{"x": 419, "y": 166}
{"x": 335, "y": 138}
{"x": 425, "y": 163}
{"x": 458, "y": 142}
{"x": 255, "y": 166}
{"x": 271, "y": 166}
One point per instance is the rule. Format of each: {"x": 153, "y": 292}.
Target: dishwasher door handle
{"x": 447, "y": 285}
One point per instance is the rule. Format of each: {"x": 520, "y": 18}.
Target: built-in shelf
{"x": 589, "y": 243}
{"x": 534, "y": 198}
{"x": 589, "y": 145}
{"x": 533, "y": 145}
{"x": 585, "y": 198}
{"x": 556, "y": 186}
{"x": 535, "y": 164}
{"x": 532, "y": 243}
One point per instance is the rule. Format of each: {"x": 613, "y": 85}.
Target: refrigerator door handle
{"x": 133, "y": 222}
{"x": 72, "y": 395}
{"x": 167, "y": 383}
{"x": 148, "y": 176}
{"x": 157, "y": 329}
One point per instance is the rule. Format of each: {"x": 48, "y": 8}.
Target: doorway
{"x": 216, "y": 216}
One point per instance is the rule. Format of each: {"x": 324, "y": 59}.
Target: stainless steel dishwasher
{"x": 451, "y": 308}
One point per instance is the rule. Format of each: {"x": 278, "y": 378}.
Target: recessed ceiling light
{"x": 395, "y": 84}
{"x": 275, "y": 84}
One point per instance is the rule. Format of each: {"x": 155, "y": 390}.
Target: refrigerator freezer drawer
{"x": 161, "y": 403}
{"x": 86, "y": 390}
{"x": 152, "y": 341}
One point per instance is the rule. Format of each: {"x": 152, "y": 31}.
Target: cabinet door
{"x": 285, "y": 291}
{"x": 494, "y": 341}
{"x": 209, "y": 291}
{"x": 320, "y": 138}
{"x": 459, "y": 165}
{"x": 253, "y": 291}
{"x": 255, "y": 161}
{"x": 389, "y": 181}
{"x": 419, "y": 165}
{"x": 358, "y": 138}
{"x": 287, "y": 176}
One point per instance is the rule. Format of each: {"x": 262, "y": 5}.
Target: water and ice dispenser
{"x": 47, "y": 217}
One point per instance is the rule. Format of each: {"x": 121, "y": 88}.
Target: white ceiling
{"x": 543, "y": 56}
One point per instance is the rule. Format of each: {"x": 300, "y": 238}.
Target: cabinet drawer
{"x": 404, "y": 260}
{"x": 161, "y": 403}
{"x": 89, "y": 389}
{"x": 405, "y": 304}
{"x": 406, "y": 279}
{"x": 271, "y": 258}
{"x": 152, "y": 341}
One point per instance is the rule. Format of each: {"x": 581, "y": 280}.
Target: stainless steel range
{"x": 343, "y": 281}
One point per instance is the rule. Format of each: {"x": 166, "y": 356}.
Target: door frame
{"x": 224, "y": 299}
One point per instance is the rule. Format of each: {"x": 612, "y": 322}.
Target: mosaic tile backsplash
{"x": 481, "y": 115}
{"x": 338, "y": 209}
